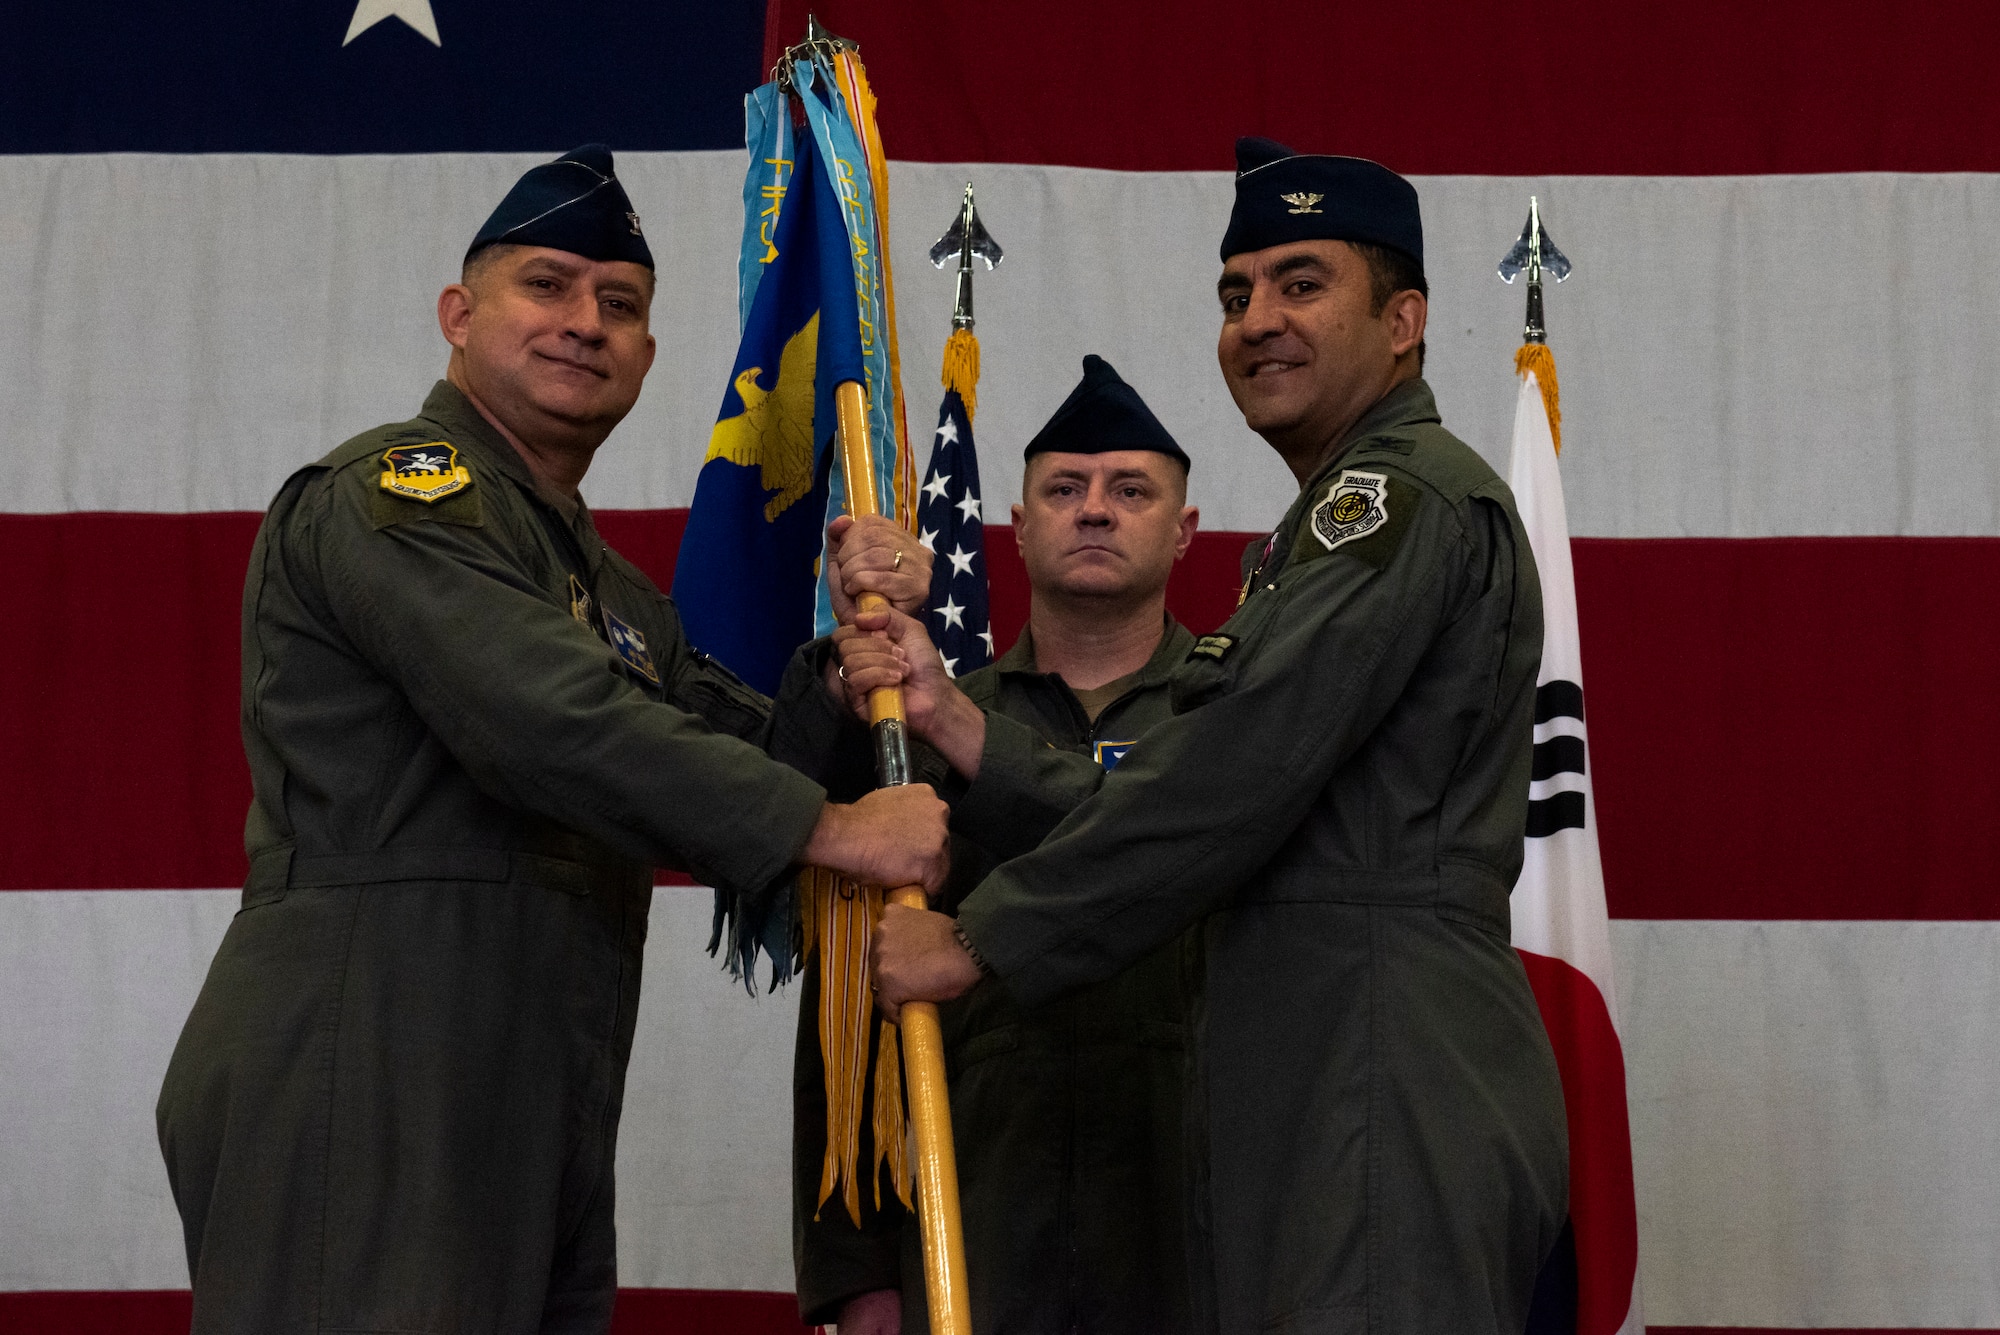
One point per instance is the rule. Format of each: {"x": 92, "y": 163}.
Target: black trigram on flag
{"x": 1556, "y": 753}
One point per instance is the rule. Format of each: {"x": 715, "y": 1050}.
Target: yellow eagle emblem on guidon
{"x": 427, "y": 473}
{"x": 775, "y": 430}
{"x": 1302, "y": 202}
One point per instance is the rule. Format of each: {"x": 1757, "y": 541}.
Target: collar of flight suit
{"x": 1175, "y": 640}
{"x": 1408, "y": 404}
{"x": 468, "y": 428}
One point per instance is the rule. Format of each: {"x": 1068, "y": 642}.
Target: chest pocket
{"x": 1212, "y": 667}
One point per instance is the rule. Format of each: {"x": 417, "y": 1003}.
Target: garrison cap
{"x": 1102, "y": 414}
{"x": 1282, "y": 196}
{"x": 574, "y": 203}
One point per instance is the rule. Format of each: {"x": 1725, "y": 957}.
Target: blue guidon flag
{"x": 949, "y": 523}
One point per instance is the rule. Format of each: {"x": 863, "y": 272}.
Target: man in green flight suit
{"x": 1067, "y": 1117}
{"x": 473, "y": 731}
{"x": 1339, "y": 801}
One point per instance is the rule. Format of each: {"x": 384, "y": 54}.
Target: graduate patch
{"x": 1108, "y": 754}
{"x": 1355, "y": 505}
{"x": 426, "y": 473}
{"x": 630, "y": 646}
{"x": 579, "y": 600}
{"x": 1212, "y": 646}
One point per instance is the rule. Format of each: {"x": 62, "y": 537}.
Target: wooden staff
{"x": 923, "y": 1039}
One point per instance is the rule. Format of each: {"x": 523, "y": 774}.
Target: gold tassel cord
{"x": 1536, "y": 358}
{"x": 961, "y": 368}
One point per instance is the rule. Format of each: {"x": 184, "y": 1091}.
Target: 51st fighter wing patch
{"x": 426, "y": 473}
{"x": 1356, "y": 505}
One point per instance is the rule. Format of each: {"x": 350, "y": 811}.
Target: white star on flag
{"x": 935, "y": 487}
{"x": 416, "y": 13}
{"x": 927, "y": 539}
{"x": 948, "y": 432}
{"x": 969, "y": 507}
{"x": 987, "y": 636}
{"x": 952, "y": 613}
{"x": 950, "y": 666}
{"x": 961, "y": 561}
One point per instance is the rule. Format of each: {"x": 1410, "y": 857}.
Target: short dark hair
{"x": 1391, "y": 271}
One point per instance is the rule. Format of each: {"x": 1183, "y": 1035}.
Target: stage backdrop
{"x": 222, "y": 229}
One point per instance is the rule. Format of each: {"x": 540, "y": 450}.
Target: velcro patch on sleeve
{"x": 1362, "y": 514}
{"x": 428, "y": 472}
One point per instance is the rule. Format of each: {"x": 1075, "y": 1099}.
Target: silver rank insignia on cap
{"x": 1302, "y": 202}
{"x": 426, "y": 473}
{"x": 1355, "y": 505}
{"x": 630, "y": 646}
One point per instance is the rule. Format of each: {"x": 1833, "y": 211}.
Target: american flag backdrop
{"x": 222, "y": 231}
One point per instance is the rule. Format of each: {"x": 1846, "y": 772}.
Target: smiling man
{"x": 473, "y": 731}
{"x": 1339, "y": 800}
{"x": 1067, "y": 1116}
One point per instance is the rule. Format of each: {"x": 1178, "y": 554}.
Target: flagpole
{"x": 923, "y": 1039}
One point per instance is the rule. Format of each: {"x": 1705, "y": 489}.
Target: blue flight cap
{"x": 1102, "y": 414}
{"x": 1282, "y": 196}
{"x": 574, "y": 203}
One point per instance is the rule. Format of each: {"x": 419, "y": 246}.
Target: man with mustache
{"x": 1339, "y": 801}
{"x": 473, "y": 731}
{"x": 1066, "y": 1116}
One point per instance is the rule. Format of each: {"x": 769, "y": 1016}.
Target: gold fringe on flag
{"x": 961, "y": 368}
{"x": 1536, "y": 358}
{"x": 839, "y": 917}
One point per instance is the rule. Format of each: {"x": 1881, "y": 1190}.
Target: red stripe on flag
{"x": 1704, "y": 87}
{"x": 1603, "y": 1215}
{"x": 1783, "y": 728}
{"x": 168, "y": 1312}
{"x": 1794, "y": 727}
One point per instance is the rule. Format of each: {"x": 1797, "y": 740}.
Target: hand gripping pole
{"x": 923, "y": 1040}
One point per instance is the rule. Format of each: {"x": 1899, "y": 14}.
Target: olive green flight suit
{"x": 395, "y": 1104}
{"x": 1339, "y": 800}
{"x": 1066, "y": 1118}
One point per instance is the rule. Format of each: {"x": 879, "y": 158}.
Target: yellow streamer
{"x": 839, "y": 917}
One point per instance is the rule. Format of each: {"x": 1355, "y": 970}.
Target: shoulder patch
{"x": 1361, "y": 514}
{"x": 630, "y": 645}
{"x": 428, "y": 472}
{"x": 1355, "y": 505}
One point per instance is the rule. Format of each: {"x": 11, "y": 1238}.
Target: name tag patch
{"x": 1355, "y": 505}
{"x": 1110, "y": 753}
{"x": 426, "y": 473}
{"x": 630, "y": 646}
